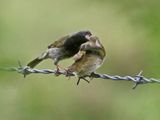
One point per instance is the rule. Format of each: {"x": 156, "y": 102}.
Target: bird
{"x": 89, "y": 58}
{"x": 65, "y": 47}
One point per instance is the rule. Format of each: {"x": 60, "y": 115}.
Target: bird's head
{"x": 83, "y": 35}
{"x": 93, "y": 43}
{"x": 93, "y": 46}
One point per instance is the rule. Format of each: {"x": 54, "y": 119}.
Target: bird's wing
{"x": 59, "y": 43}
{"x": 79, "y": 55}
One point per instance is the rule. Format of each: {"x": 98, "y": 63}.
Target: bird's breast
{"x": 55, "y": 53}
{"x": 87, "y": 65}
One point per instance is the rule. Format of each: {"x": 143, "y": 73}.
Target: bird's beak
{"x": 87, "y": 37}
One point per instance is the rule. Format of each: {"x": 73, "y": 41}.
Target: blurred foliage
{"x": 130, "y": 32}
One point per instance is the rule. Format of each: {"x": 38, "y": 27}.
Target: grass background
{"x": 130, "y": 32}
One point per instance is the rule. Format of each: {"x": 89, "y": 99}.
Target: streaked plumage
{"x": 88, "y": 59}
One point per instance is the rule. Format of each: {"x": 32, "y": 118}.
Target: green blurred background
{"x": 130, "y": 32}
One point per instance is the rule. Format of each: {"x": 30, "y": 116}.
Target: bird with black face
{"x": 89, "y": 58}
{"x": 63, "y": 48}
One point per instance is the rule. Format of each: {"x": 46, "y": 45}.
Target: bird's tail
{"x": 37, "y": 60}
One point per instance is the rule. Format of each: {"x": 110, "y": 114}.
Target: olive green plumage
{"x": 63, "y": 48}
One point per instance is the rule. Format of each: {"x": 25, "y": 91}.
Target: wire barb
{"x": 137, "y": 79}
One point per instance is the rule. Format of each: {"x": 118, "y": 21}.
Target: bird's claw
{"x": 83, "y": 78}
{"x": 67, "y": 72}
{"x": 57, "y": 73}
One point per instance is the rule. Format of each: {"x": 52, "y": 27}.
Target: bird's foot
{"x": 67, "y": 73}
{"x": 83, "y": 78}
{"x": 91, "y": 76}
{"x": 57, "y": 73}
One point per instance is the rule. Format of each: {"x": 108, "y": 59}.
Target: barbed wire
{"x": 137, "y": 79}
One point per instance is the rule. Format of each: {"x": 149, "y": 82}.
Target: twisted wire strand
{"x": 137, "y": 79}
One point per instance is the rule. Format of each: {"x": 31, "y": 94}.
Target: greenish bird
{"x": 63, "y": 48}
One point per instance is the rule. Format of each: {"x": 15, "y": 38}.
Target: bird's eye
{"x": 90, "y": 33}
